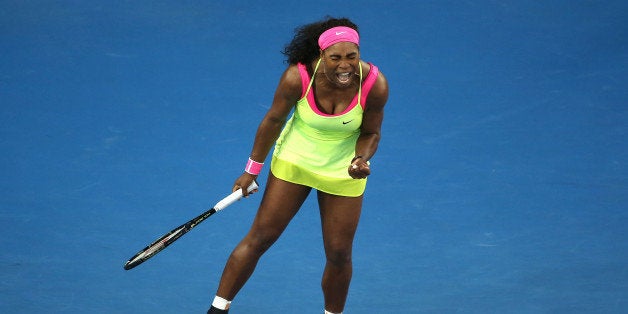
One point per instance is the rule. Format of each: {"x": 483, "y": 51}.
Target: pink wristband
{"x": 253, "y": 167}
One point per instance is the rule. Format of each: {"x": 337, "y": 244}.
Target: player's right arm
{"x": 287, "y": 94}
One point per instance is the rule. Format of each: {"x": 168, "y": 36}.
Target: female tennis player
{"x": 326, "y": 145}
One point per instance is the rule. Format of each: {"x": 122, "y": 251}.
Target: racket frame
{"x": 172, "y": 236}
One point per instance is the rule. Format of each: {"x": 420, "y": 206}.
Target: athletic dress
{"x": 314, "y": 148}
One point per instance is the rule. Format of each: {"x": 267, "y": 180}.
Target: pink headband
{"x": 338, "y": 34}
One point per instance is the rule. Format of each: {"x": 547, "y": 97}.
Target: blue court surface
{"x": 500, "y": 185}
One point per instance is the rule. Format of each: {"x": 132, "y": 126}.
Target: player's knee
{"x": 259, "y": 242}
{"x": 338, "y": 256}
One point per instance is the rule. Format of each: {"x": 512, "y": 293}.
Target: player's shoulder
{"x": 292, "y": 73}
{"x": 378, "y": 95}
{"x": 367, "y": 67}
{"x": 290, "y": 83}
{"x": 380, "y": 87}
{"x": 291, "y": 77}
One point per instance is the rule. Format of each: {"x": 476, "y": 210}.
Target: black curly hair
{"x": 304, "y": 45}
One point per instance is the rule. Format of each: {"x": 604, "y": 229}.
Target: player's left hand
{"x": 359, "y": 169}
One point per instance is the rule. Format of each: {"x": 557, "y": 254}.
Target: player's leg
{"x": 281, "y": 201}
{"x": 339, "y": 219}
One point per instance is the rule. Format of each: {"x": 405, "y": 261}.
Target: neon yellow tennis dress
{"x": 315, "y": 149}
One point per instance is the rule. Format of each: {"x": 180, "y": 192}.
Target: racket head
{"x": 156, "y": 247}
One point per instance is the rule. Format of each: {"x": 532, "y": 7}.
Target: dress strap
{"x": 360, "y": 86}
{"x": 309, "y": 86}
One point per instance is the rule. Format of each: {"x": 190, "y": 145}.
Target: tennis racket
{"x": 178, "y": 232}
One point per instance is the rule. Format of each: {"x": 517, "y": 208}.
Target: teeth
{"x": 343, "y": 77}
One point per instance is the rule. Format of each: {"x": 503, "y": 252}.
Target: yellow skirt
{"x": 337, "y": 186}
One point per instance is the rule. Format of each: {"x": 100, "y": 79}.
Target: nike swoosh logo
{"x": 339, "y": 33}
{"x": 347, "y": 122}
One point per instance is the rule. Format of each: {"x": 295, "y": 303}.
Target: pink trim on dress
{"x": 314, "y": 107}
{"x": 370, "y": 80}
{"x": 305, "y": 78}
{"x": 366, "y": 88}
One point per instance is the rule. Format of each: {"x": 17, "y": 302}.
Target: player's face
{"x": 341, "y": 62}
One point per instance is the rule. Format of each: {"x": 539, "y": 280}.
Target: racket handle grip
{"x": 233, "y": 197}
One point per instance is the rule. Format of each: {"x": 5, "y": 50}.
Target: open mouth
{"x": 344, "y": 78}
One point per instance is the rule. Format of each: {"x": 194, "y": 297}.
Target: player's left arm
{"x": 370, "y": 131}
